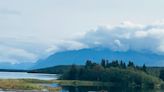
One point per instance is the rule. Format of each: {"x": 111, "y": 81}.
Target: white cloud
{"x": 6, "y": 11}
{"x": 19, "y": 50}
{"x": 15, "y": 55}
{"x": 122, "y": 37}
{"x": 41, "y": 27}
{"x": 127, "y": 36}
{"x": 140, "y": 34}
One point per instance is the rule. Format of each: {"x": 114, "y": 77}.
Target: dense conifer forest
{"x": 117, "y": 72}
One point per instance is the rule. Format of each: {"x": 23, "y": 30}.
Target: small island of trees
{"x": 116, "y": 72}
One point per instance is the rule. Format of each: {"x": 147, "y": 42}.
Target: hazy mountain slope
{"x": 80, "y": 56}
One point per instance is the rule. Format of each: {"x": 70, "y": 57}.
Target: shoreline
{"x": 23, "y": 85}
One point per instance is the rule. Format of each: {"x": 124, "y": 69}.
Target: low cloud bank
{"x": 127, "y": 36}
{"x": 122, "y": 37}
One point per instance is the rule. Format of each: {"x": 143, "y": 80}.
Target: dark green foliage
{"x": 115, "y": 72}
{"x": 88, "y": 63}
{"x": 155, "y": 71}
{"x": 73, "y": 72}
{"x": 144, "y": 68}
{"x": 60, "y": 69}
{"x": 161, "y": 74}
{"x": 124, "y": 66}
{"x": 115, "y": 63}
{"x": 54, "y": 70}
{"x": 103, "y": 63}
{"x": 131, "y": 64}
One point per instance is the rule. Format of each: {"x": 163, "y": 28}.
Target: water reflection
{"x": 105, "y": 89}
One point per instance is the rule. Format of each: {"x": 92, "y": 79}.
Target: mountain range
{"x": 95, "y": 54}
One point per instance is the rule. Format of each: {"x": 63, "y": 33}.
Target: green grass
{"x": 25, "y": 84}
{"x": 34, "y": 84}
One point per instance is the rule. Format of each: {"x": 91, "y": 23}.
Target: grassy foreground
{"x": 26, "y": 84}
{"x": 34, "y": 84}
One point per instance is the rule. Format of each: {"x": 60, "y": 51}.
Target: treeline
{"x": 12, "y": 70}
{"x": 118, "y": 72}
{"x": 60, "y": 69}
{"x": 115, "y": 63}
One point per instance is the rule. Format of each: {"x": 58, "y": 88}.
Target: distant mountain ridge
{"x": 96, "y": 54}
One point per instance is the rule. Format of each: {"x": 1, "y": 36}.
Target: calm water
{"x": 109, "y": 89}
{"x": 24, "y": 75}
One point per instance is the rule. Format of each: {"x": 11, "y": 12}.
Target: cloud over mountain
{"x": 122, "y": 37}
{"x": 127, "y": 36}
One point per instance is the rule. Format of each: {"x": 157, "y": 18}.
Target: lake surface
{"x": 24, "y": 75}
{"x": 108, "y": 89}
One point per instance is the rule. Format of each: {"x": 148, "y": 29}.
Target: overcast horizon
{"x": 34, "y": 29}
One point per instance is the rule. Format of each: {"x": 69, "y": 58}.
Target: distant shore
{"x": 13, "y": 70}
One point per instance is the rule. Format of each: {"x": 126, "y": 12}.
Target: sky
{"x": 34, "y": 29}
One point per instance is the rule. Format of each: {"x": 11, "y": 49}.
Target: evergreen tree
{"x": 161, "y": 74}
{"x": 108, "y": 64}
{"x": 115, "y": 63}
{"x": 124, "y": 66}
{"x": 144, "y": 68}
{"x": 73, "y": 73}
{"x": 88, "y": 63}
{"x": 103, "y": 63}
{"x": 121, "y": 64}
{"x": 131, "y": 64}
